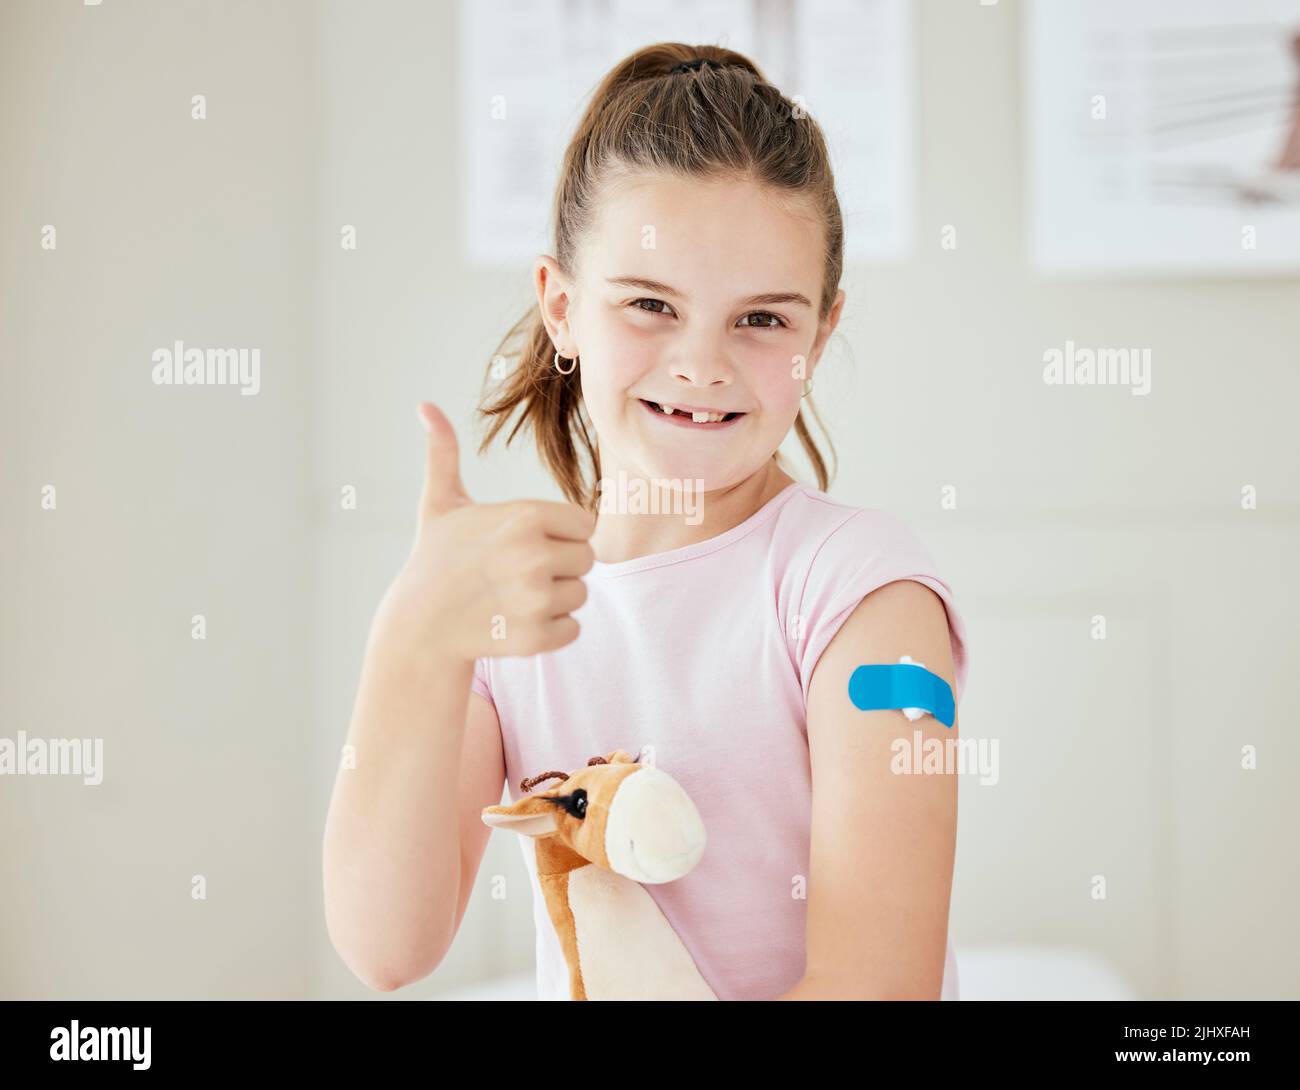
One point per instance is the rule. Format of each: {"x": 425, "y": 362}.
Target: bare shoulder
{"x": 904, "y": 617}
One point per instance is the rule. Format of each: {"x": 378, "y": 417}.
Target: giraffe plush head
{"x": 614, "y": 812}
{"x": 601, "y": 835}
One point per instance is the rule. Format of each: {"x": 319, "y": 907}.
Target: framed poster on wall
{"x": 1163, "y": 139}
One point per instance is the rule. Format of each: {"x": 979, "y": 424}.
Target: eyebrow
{"x": 771, "y": 297}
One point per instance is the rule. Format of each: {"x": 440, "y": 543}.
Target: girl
{"x": 694, "y": 284}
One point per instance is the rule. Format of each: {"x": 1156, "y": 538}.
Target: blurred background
{"x": 334, "y": 184}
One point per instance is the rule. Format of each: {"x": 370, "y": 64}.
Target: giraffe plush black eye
{"x": 576, "y": 804}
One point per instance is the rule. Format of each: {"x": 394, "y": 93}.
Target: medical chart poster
{"x": 529, "y": 67}
{"x": 1163, "y": 139}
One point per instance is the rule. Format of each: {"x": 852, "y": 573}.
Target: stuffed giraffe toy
{"x": 601, "y": 833}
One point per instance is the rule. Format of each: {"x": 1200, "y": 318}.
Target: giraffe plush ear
{"x": 528, "y": 817}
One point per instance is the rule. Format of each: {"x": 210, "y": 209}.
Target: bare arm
{"x": 482, "y": 780}
{"x": 392, "y": 858}
{"x": 883, "y": 844}
{"x": 403, "y": 837}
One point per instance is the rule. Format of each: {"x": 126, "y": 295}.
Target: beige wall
{"x": 1118, "y": 757}
{"x": 171, "y": 501}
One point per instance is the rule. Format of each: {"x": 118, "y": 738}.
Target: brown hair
{"x": 721, "y": 117}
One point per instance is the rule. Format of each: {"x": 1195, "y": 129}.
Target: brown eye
{"x": 775, "y": 323}
{"x": 659, "y": 302}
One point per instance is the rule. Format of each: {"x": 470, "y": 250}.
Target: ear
{"x": 553, "y": 298}
{"x": 824, "y": 331}
{"x": 528, "y": 817}
{"x": 620, "y": 756}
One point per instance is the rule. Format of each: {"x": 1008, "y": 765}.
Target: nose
{"x": 701, "y": 361}
{"x": 653, "y": 832}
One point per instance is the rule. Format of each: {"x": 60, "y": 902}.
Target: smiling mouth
{"x": 703, "y": 421}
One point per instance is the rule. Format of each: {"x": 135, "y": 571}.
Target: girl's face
{"x": 698, "y": 294}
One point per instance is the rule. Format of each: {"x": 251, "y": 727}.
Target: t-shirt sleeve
{"x": 480, "y": 683}
{"x": 864, "y": 552}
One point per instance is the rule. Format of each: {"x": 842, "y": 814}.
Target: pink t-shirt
{"x": 697, "y": 653}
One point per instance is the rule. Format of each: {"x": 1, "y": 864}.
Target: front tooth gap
{"x": 698, "y": 418}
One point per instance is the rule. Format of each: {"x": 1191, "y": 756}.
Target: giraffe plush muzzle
{"x": 653, "y": 832}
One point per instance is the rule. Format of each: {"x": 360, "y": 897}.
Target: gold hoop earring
{"x": 807, "y": 388}
{"x": 556, "y": 363}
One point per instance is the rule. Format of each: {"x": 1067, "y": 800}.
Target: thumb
{"x": 443, "y": 489}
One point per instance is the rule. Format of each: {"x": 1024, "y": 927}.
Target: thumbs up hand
{"x": 488, "y": 579}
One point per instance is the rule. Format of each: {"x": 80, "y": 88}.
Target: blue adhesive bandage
{"x": 906, "y": 685}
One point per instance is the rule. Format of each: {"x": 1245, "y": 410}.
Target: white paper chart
{"x": 1163, "y": 138}
{"x": 529, "y": 65}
